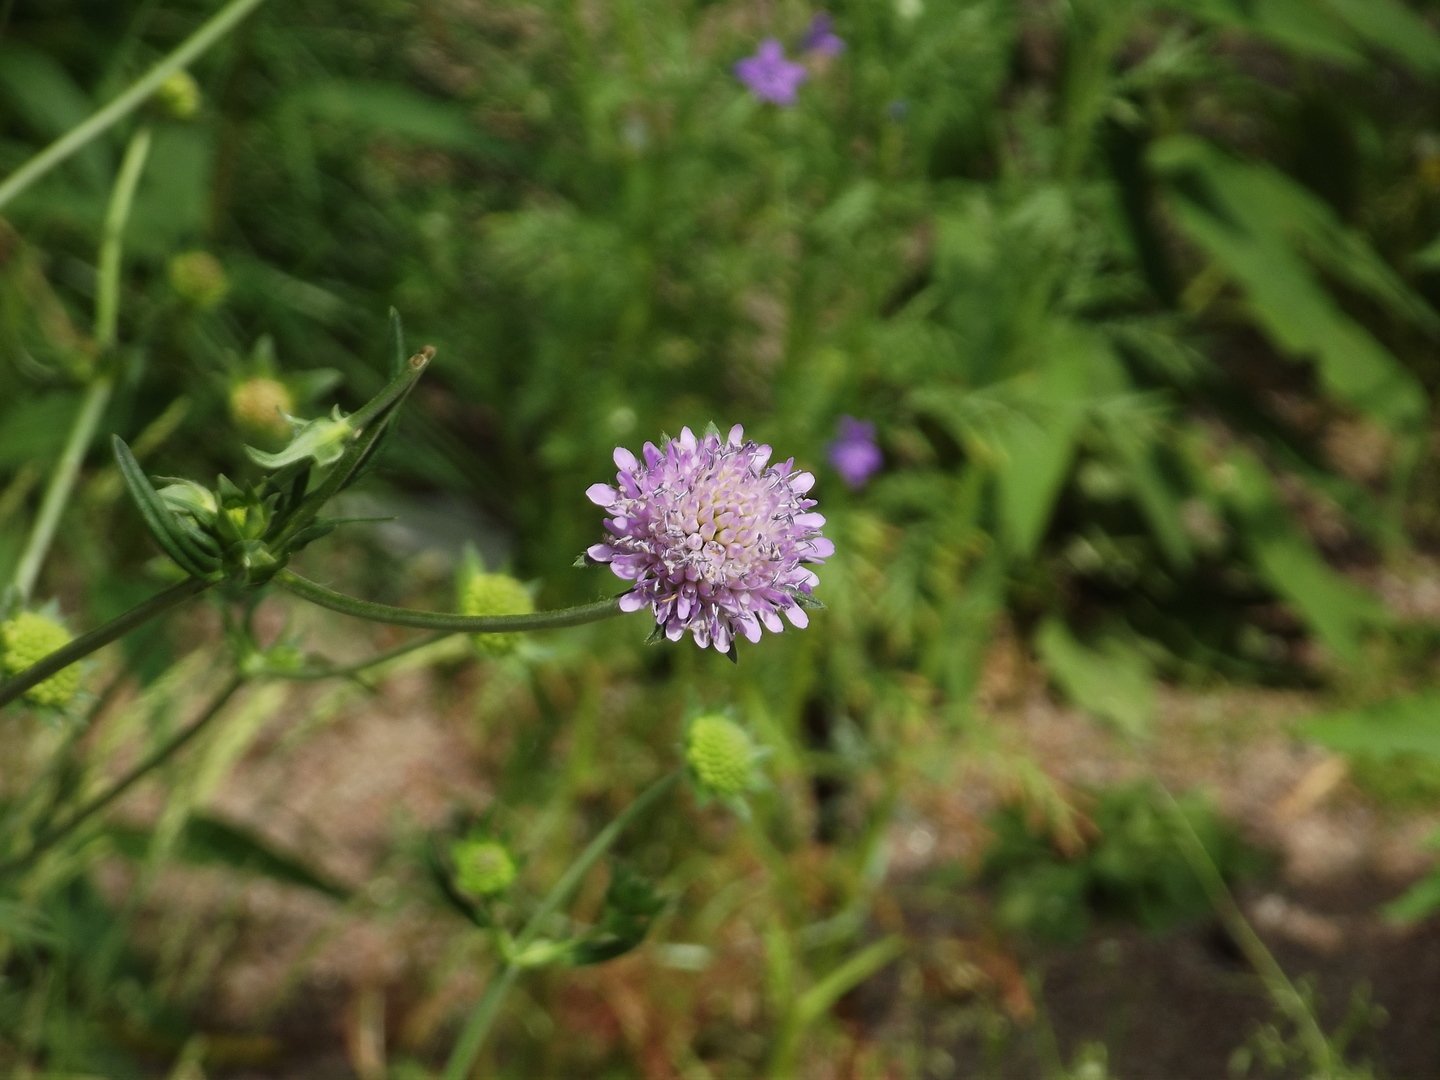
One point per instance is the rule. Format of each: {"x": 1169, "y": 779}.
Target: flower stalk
{"x": 443, "y": 620}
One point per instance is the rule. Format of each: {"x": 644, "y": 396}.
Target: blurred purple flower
{"x": 821, "y": 38}
{"x": 769, "y": 75}
{"x": 854, "y": 453}
{"x": 714, "y": 537}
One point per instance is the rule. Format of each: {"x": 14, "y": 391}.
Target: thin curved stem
{"x": 50, "y": 837}
{"x": 139, "y": 91}
{"x": 462, "y": 1058}
{"x": 442, "y": 620}
{"x": 1282, "y": 991}
{"x": 101, "y": 636}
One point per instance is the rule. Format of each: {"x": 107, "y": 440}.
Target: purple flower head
{"x": 714, "y": 537}
{"x": 854, "y": 453}
{"x": 820, "y": 37}
{"x": 769, "y": 75}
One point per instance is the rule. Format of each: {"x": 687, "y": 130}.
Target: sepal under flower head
{"x": 721, "y": 756}
{"x": 27, "y": 639}
{"x": 716, "y": 539}
{"x": 323, "y": 439}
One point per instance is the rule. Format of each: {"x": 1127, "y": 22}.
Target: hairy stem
{"x": 442, "y": 620}
{"x": 462, "y": 1058}
{"x": 99, "y": 122}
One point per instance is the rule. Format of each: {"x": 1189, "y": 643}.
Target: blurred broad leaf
{"x": 387, "y": 108}
{"x": 1264, "y": 230}
{"x": 1402, "y": 725}
{"x": 1111, "y": 681}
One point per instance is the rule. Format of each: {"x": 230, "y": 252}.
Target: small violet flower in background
{"x": 820, "y": 38}
{"x": 854, "y": 453}
{"x": 715, "y": 538}
{"x": 769, "y": 75}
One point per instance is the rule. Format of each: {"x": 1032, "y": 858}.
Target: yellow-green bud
{"x": 721, "y": 755}
{"x": 495, "y": 594}
{"x": 198, "y": 278}
{"x": 26, "y": 640}
{"x": 482, "y": 867}
{"x": 179, "y": 95}
{"x": 258, "y": 406}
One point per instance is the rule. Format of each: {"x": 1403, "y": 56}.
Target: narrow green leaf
{"x": 163, "y": 525}
{"x": 211, "y": 841}
{"x": 1336, "y": 609}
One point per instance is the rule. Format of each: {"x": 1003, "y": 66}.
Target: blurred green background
{"x": 1140, "y": 297}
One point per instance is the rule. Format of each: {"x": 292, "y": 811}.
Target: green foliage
{"x": 1134, "y": 867}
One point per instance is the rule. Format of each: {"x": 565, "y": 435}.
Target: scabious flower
{"x": 854, "y": 453}
{"x": 769, "y": 75}
{"x": 715, "y": 539}
{"x": 820, "y": 37}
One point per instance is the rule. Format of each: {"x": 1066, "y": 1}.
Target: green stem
{"x": 101, "y": 636}
{"x": 62, "y": 482}
{"x": 50, "y": 837}
{"x": 443, "y": 620}
{"x": 462, "y": 1058}
{"x": 107, "y": 292}
{"x": 107, "y": 304}
{"x": 140, "y": 90}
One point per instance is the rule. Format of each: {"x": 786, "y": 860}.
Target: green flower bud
{"x": 721, "y": 755}
{"x": 26, "y": 640}
{"x": 495, "y": 594}
{"x": 179, "y": 96}
{"x": 258, "y": 407}
{"x": 482, "y": 866}
{"x": 198, "y": 278}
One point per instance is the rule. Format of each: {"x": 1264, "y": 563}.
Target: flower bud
{"x": 483, "y": 867}
{"x": 179, "y": 96}
{"x": 198, "y": 278}
{"x": 259, "y": 405}
{"x": 495, "y": 594}
{"x": 26, "y": 640}
{"x": 721, "y": 756}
